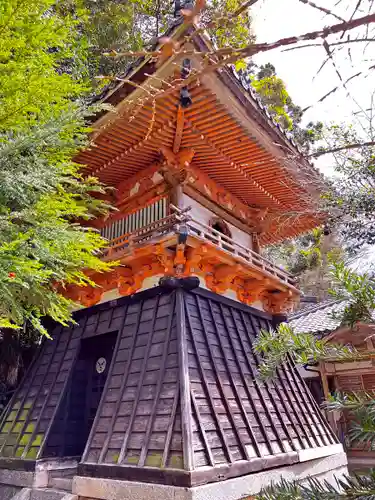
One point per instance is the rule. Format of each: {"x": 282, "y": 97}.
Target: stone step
{"x": 47, "y": 494}
{"x": 60, "y": 483}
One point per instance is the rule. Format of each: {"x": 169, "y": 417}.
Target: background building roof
{"x": 318, "y": 318}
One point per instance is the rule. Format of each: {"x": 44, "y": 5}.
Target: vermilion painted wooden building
{"x": 154, "y": 392}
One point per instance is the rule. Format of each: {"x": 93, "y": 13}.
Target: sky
{"x": 275, "y": 19}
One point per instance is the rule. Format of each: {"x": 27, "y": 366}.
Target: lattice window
{"x": 136, "y": 220}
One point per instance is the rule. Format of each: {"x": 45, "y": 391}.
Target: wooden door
{"x": 84, "y": 393}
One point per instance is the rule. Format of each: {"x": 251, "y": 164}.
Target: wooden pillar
{"x": 177, "y": 196}
{"x": 327, "y": 393}
{"x": 255, "y": 242}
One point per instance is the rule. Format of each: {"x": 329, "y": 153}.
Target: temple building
{"x": 154, "y": 392}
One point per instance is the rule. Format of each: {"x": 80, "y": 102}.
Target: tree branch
{"x": 343, "y": 42}
{"x": 342, "y": 148}
{"x": 229, "y": 54}
{"x": 312, "y": 35}
{"x": 322, "y": 9}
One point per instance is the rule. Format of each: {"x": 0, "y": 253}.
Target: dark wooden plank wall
{"x": 233, "y": 416}
{"x": 139, "y": 420}
{"x": 23, "y": 432}
{"x": 241, "y": 417}
{"x": 229, "y": 415}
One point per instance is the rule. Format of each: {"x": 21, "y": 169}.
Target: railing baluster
{"x": 208, "y": 234}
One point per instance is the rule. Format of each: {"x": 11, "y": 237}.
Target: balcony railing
{"x": 227, "y": 244}
{"x": 172, "y": 224}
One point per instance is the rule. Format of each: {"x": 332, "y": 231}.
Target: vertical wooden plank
{"x": 201, "y": 431}
{"x": 171, "y": 425}
{"x": 25, "y": 378}
{"x": 141, "y": 378}
{"x": 31, "y": 409}
{"x": 184, "y": 382}
{"x": 27, "y": 447}
{"x": 150, "y": 424}
{"x": 323, "y": 374}
{"x": 294, "y": 411}
{"x": 301, "y": 411}
{"x": 282, "y": 402}
{"x": 105, "y": 391}
{"x": 220, "y": 382}
{"x": 234, "y": 385}
{"x": 122, "y": 387}
{"x": 267, "y": 388}
{"x": 219, "y": 427}
{"x": 259, "y": 391}
{"x": 332, "y": 438}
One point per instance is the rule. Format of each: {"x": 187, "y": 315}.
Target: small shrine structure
{"x": 154, "y": 393}
{"x": 343, "y": 376}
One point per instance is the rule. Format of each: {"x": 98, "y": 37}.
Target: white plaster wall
{"x": 203, "y": 214}
{"x": 308, "y": 374}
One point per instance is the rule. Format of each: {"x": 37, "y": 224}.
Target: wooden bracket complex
{"x": 182, "y": 260}
{"x": 222, "y": 277}
{"x": 277, "y": 302}
{"x": 252, "y": 290}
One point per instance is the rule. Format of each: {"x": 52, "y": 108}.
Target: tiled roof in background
{"x": 317, "y": 318}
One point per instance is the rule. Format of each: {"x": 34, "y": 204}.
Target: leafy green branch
{"x": 276, "y": 346}
{"x": 360, "y": 487}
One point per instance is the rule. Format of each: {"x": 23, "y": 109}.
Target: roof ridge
{"x": 318, "y": 307}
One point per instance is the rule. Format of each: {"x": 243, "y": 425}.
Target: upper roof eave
{"x": 282, "y": 144}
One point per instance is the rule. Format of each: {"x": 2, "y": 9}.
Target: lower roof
{"x": 182, "y": 405}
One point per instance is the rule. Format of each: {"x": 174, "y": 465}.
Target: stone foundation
{"x": 327, "y": 468}
{"x": 27, "y": 485}
{"x": 8, "y": 492}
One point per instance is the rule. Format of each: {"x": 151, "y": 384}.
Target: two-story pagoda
{"x": 154, "y": 392}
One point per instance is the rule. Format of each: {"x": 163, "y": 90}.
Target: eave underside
{"x": 223, "y": 150}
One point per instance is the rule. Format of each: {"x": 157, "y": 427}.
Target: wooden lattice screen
{"x": 136, "y": 220}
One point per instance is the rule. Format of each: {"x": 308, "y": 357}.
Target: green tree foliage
{"x": 274, "y": 95}
{"x": 227, "y": 32}
{"x": 357, "y": 290}
{"x": 34, "y": 42}
{"x": 309, "y": 257}
{"x": 351, "y": 201}
{"x": 359, "y": 487}
{"x": 42, "y": 193}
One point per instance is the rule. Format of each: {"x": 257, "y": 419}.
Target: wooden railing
{"x": 171, "y": 224}
{"x": 211, "y": 235}
{"x": 155, "y": 229}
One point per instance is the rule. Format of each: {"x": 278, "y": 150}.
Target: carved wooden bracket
{"x": 278, "y": 302}
{"x": 180, "y": 160}
{"x": 194, "y": 257}
{"x": 203, "y": 260}
{"x": 252, "y": 290}
{"x": 222, "y": 277}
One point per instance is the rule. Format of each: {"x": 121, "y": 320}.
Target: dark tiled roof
{"x": 318, "y": 318}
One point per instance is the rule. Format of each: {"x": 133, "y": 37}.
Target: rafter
{"x": 167, "y": 126}
{"x": 233, "y": 164}
{"x": 179, "y": 129}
